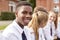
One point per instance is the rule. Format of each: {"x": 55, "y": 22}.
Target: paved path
{"x": 5, "y": 22}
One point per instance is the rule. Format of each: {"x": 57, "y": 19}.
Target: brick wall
{"x": 48, "y": 4}
{"x": 4, "y": 5}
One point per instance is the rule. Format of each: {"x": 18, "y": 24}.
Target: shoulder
{"x": 10, "y": 36}
{"x": 9, "y": 30}
{"x": 9, "y": 33}
{"x": 29, "y": 28}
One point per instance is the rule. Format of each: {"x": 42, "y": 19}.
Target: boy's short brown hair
{"x": 23, "y": 3}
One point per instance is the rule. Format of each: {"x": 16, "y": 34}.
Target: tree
{"x": 33, "y": 2}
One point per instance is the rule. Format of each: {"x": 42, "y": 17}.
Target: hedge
{"x": 7, "y": 16}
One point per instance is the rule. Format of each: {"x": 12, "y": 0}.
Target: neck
{"x": 22, "y": 26}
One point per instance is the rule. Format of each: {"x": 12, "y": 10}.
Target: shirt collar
{"x": 20, "y": 30}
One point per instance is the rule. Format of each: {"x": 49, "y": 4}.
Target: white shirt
{"x": 58, "y": 30}
{"x": 41, "y": 34}
{"x": 14, "y": 32}
{"x": 32, "y": 34}
{"x": 1, "y": 37}
{"x": 48, "y": 32}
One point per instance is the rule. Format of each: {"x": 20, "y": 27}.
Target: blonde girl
{"x": 39, "y": 20}
{"x": 51, "y": 25}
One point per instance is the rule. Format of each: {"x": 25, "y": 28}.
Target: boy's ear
{"x": 16, "y": 13}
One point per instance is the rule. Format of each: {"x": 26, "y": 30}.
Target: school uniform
{"x": 40, "y": 31}
{"x": 14, "y": 32}
{"x": 2, "y": 37}
{"x": 47, "y": 31}
{"x": 31, "y": 32}
{"x": 41, "y": 34}
{"x": 58, "y": 31}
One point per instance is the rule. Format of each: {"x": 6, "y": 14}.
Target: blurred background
{"x": 7, "y": 9}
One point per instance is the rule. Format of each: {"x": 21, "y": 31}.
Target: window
{"x": 56, "y": 1}
{"x": 12, "y": 6}
{"x": 56, "y": 8}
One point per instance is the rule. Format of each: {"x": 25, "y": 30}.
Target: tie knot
{"x": 23, "y": 33}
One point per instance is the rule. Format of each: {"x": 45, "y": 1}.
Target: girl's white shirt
{"x": 58, "y": 30}
{"x": 48, "y": 32}
{"x": 41, "y": 34}
{"x": 44, "y": 33}
{"x": 32, "y": 34}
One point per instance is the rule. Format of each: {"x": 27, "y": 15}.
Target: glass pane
{"x": 56, "y": 8}
{"x": 56, "y": 1}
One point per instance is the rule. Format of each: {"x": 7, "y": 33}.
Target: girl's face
{"x": 52, "y": 16}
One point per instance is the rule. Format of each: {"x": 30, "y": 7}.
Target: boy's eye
{"x": 24, "y": 12}
{"x": 30, "y": 13}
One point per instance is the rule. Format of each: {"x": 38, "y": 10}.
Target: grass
{"x": 2, "y": 27}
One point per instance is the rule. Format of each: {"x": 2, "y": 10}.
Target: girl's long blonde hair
{"x": 39, "y": 16}
{"x": 56, "y": 14}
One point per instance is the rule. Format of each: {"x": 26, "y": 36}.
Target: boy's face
{"x": 24, "y": 14}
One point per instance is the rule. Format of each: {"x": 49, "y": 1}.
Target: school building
{"x": 49, "y": 4}
{"x": 10, "y": 5}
